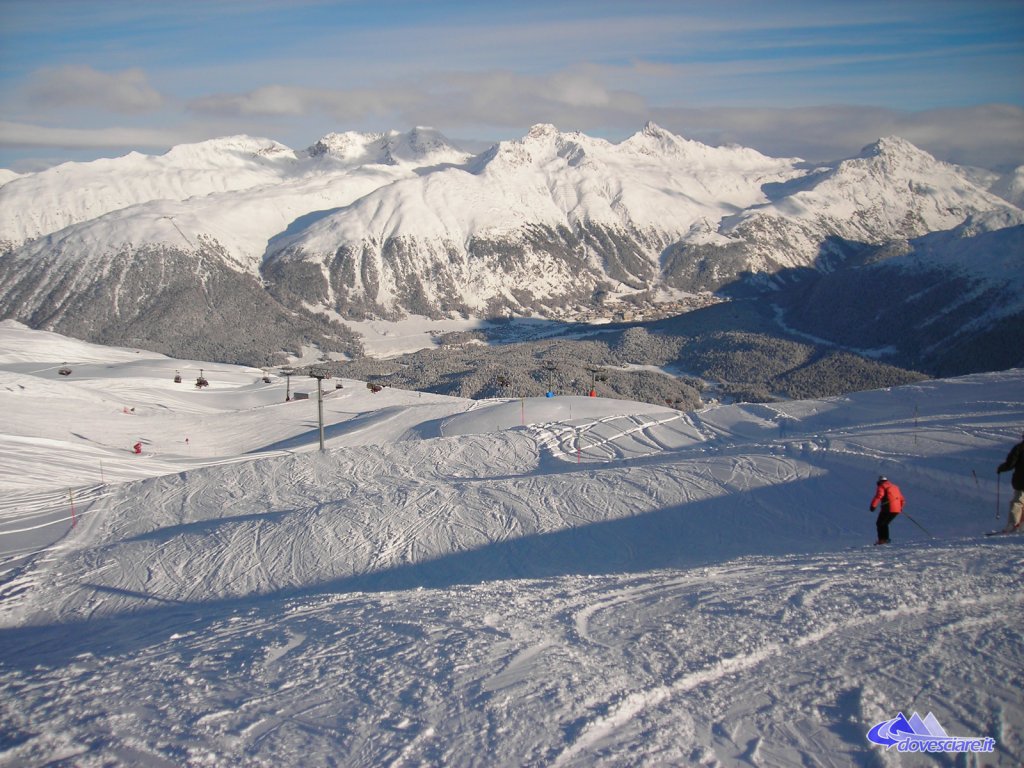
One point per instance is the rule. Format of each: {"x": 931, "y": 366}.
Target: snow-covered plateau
{"x": 561, "y": 581}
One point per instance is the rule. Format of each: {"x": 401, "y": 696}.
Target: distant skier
{"x": 1015, "y": 461}
{"x": 887, "y": 494}
{"x": 137, "y": 447}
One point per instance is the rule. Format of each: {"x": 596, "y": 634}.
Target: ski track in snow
{"x": 684, "y": 667}
{"x": 635, "y": 588}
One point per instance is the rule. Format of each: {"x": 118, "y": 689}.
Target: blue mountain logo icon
{"x": 899, "y": 729}
{"x": 917, "y": 734}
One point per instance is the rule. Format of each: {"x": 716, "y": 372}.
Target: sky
{"x": 817, "y": 79}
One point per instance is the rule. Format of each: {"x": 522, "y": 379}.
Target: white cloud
{"x": 127, "y": 91}
{"x": 988, "y": 136}
{"x": 28, "y": 135}
{"x": 495, "y": 105}
{"x": 298, "y": 101}
{"x": 270, "y": 100}
{"x": 500, "y": 99}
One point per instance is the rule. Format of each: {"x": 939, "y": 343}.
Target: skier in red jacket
{"x": 887, "y": 494}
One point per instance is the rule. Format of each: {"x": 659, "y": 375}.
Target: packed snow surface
{"x": 544, "y": 582}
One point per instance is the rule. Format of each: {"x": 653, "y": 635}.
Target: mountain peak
{"x": 890, "y": 191}
{"x": 421, "y": 144}
{"x": 657, "y": 141}
{"x": 655, "y": 131}
{"x": 541, "y": 140}
{"x": 894, "y": 147}
{"x": 542, "y": 131}
{"x": 350, "y": 145}
{"x": 892, "y": 157}
{"x": 390, "y": 148}
{"x": 240, "y": 143}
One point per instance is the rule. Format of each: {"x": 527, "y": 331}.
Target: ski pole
{"x": 977, "y": 484}
{"x": 999, "y": 480}
{"x": 918, "y": 525}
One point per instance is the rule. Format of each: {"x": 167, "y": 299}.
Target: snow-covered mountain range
{"x": 245, "y": 232}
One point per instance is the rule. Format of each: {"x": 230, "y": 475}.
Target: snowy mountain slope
{"x": 115, "y": 397}
{"x": 954, "y": 302}
{"x": 1011, "y": 186}
{"x": 541, "y": 221}
{"x": 381, "y": 226}
{"x": 556, "y": 218}
{"x": 888, "y": 194}
{"x": 138, "y": 274}
{"x": 184, "y": 301}
{"x": 146, "y": 273}
{"x": 49, "y": 200}
{"x": 72, "y": 193}
{"x": 606, "y": 586}
{"x": 421, "y": 147}
{"x": 239, "y": 223}
{"x": 7, "y": 175}
{"x": 890, "y": 190}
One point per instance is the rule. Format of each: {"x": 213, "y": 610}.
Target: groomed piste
{"x": 562, "y": 581}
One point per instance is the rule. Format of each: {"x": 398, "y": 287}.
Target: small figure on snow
{"x": 137, "y": 447}
{"x": 1015, "y": 461}
{"x": 887, "y": 494}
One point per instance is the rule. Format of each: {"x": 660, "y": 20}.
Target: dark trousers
{"x": 882, "y": 524}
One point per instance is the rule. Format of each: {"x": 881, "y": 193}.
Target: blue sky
{"x": 812, "y": 79}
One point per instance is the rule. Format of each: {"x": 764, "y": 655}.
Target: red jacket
{"x": 890, "y": 497}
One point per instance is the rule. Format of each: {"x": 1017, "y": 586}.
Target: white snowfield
{"x": 549, "y": 582}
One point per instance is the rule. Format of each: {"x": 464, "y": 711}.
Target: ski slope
{"x": 543, "y": 582}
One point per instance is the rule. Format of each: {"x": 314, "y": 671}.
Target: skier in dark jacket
{"x": 1015, "y": 461}
{"x": 887, "y": 494}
